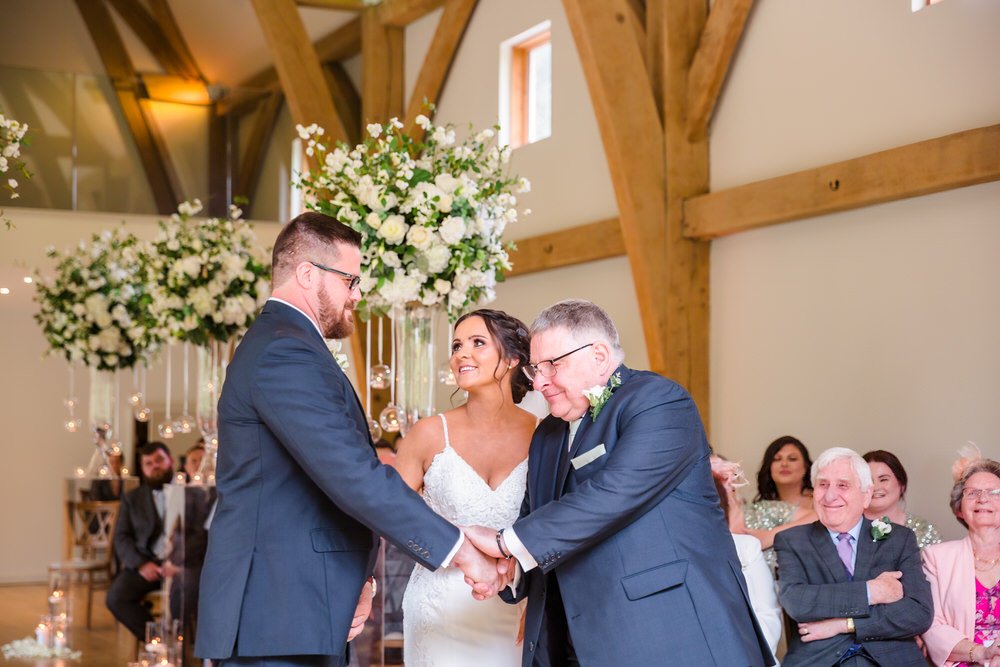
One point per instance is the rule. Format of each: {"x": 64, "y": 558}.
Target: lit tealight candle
{"x": 180, "y": 479}
{"x": 60, "y": 640}
{"x": 80, "y": 472}
{"x": 43, "y": 634}
{"x": 124, "y": 471}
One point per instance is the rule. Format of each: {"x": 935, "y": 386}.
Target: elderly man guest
{"x": 857, "y": 592}
{"x": 965, "y": 574}
{"x": 625, "y": 549}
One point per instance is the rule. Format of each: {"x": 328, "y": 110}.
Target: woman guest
{"x": 760, "y": 583}
{"x": 965, "y": 574}
{"x": 784, "y": 495}
{"x": 888, "y": 497}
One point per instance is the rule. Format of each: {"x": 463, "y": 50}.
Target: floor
{"x": 104, "y": 645}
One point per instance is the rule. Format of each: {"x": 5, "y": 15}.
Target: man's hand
{"x": 150, "y": 571}
{"x": 484, "y": 539}
{"x": 362, "y": 611}
{"x": 885, "y": 588}
{"x": 810, "y": 632}
{"x": 481, "y": 571}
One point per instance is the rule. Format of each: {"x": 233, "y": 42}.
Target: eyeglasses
{"x": 548, "y": 368}
{"x": 976, "y": 494}
{"x": 351, "y": 286}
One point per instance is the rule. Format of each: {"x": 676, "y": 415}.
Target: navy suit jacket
{"x": 813, "y": 585}
{"x": 300, "y": 491}
{"x": 139, "y": 527}
{"x": 636, "y": 538}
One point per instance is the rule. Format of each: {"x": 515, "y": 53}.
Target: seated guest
{"x": 193, "y": 458}
{"x": 784, "y": 495}
{"x": 965, "y": 574}
{"x": 760, "y": 584}
{"x": 857, "y": 592}
{"x": 888, "y": 495}
{"x": 140, "y": 542}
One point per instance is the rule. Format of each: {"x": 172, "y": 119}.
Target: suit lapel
{"x": 552, "y": 472}
{"x": 820, "y": 538}
{"x": 866, "y": 551}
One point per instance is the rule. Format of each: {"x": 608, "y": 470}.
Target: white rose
{"x": 191, "y": 266}
{"x": 391, "y": 259}
{"x": 437, "y": 258}
{"x": 201, "y": 301}
{"x": 444, "y": 203}
{"x": 419, "y": 237}
{"x": 446, "y": 182}
{"x": 429, "y": 298}
{"x": 452, "y": 230}
{"x": 109, "y": 339}
{"x": 374, "y": 220}
{"x": 442, "y": 286}
{"x": 393, "y": 229}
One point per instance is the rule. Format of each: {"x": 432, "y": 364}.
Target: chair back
{"x": 95, "y": 528}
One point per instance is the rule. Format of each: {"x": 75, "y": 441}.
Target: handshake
{"x": 486, "y": 569}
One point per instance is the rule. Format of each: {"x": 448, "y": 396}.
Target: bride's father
{"x": 627, "y": 557}
{"x": 300, "y": 487}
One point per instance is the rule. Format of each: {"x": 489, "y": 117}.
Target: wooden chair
{"x": 93, "y": 538}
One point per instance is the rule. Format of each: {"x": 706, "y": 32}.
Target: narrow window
{"x": 526, "y": 87}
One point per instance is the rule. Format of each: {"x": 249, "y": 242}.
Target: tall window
{"x": 526, "y": 86}
{"x": 920, "y": 4}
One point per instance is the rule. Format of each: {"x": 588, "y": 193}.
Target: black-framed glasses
{"x": 547, "y": 368}
{"x": 354, "y": 280}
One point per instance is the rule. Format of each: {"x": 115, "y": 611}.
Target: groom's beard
{"x": 334, "y": 323}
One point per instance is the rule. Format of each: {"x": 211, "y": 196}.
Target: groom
{"x": 627, "y": 559}
{"x": 300, "y": 487}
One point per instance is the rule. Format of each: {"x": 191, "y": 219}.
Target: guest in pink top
{"x": 965, "y": 574}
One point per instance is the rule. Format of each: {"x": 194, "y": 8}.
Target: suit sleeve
{"x": 807, "y": 602}
{"x": 909, "y": 616}
{"x": 941, "y": 638}
{"x": 125, "y": 547}
{"x": 521, "y": 579}
{"x": 300, "y": 397}
{"x": 660, "y": 437}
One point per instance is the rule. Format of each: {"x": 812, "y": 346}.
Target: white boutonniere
{"x": 334, "y": 346}
{"x": 599, "y": 394}
{"x": 881, "y": 529}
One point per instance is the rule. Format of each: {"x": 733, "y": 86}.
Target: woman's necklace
{"x": 989, "y": 564}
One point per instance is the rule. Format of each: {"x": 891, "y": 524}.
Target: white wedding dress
{"x": 443, "y": 626}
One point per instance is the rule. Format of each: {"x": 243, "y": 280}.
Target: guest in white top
{"x": 760, "y": 583}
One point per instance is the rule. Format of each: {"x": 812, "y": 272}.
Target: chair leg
{"x": 90, "y": 595}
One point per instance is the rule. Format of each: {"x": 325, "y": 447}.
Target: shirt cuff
{"x": 454, "y": 550}
{"x": 518, "y": 551}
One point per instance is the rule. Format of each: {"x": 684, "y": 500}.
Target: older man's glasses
{"x": 976, "y": 494}
{"x": 548, "y": 367}
{"x": 354, "y": 280}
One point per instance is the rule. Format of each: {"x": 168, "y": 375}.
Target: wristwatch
{"x": 850, "y": 626}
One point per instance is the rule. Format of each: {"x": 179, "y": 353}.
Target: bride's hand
{"x": 480, "y": 570}
{"x": 362, "y": 611}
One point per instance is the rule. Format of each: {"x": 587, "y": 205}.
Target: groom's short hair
{"x": 303, "y": 238}
{"x": 583, "y": 319}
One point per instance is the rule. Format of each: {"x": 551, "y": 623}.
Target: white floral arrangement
{"x": 11, "y": 139}
{"x": 208, "y": 278}
{"x": 431, "y": 212}
{"x": 95, "y": 308}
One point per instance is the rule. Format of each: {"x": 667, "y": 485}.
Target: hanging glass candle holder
{"x": 375, "y": 429}
{"x": 166, "y": 427}
{"x": 446, "y": 376}
{"x": 101, "y": 407}
{"x": 185, "y": 423}
{"x": 73, "y": 423}
{"x": 380, "y": 375}
{"x": 141, "y": 411}
{"x": 389, "y": 418}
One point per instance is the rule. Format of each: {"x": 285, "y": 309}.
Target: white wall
{"x": 873, "y": 328}
{"x": 36, "y": 453}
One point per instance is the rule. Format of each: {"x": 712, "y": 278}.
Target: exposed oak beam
{"x": 346, "y": 98}
{"x": 567, "y": 247}
{"x": 684, "y": 294}
{"x": 168, "y": 25}
{"x": 382, "y": 75}
{"x": 251, "y": 164}
{"x": 630, "y": 128}
{"x": 343, "y": 5}
{"x": 712, "y": 60}
{"x": 145, "y": 27}
{"x": 948, "y": 162}
{"x": 401, "y": 13}
{"x": 175, "y": 89}
{"x": 298, "y": 67}
{"x": 152, "y": 150}
{"x": 440, "y": 56}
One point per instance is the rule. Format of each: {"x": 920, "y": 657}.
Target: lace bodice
{"x": 453, "y": 489}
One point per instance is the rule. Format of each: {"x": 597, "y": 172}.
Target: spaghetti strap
{"x": 444, "y": 423}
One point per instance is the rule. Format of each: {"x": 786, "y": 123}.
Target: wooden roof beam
{"x": 567, "y": 247}
{"x": 712, "y": 61}
{"x": 952, "y": 161}
{"x": 382, "y": 75}
{"x": 401, "y": 13}
{"x": 341, "y": 5}
{"x": 438, "y": 61}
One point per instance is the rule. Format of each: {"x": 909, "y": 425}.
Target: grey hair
{"x": 861, "y": 468}
{"x": 982, "y": 465}
{"x": 583, "y": 319}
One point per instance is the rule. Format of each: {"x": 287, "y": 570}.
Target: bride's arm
{"x": 415, "y": 451}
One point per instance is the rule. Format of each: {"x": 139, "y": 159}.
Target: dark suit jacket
{"x": 644, "y": 561}
{"x": 300, "y": 490}
{"x": 813, "y": 585}
{"x": 138, "y": 528}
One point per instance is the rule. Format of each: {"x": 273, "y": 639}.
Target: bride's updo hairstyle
{"x": 511, "y": 337}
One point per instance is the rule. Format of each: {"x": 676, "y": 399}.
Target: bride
{"x": 470, "y": 464}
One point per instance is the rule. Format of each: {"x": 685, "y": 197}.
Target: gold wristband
{"x": 971, "y": 648}
{"x": 850, "y": 625}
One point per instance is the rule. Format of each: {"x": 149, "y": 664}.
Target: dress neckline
{"x": 448, "y": 447}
